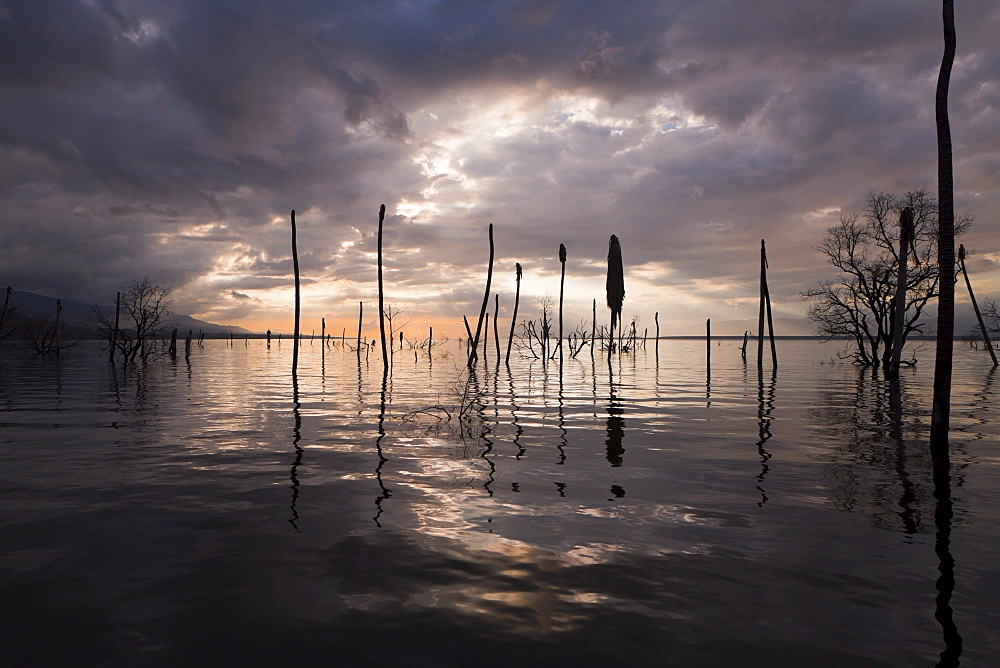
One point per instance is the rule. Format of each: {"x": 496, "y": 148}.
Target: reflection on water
{"x": 765, "y": 404}
{"x": 945, "y": 585}
{"x": 181, "y": 513}
{"x": 296, "y": 437}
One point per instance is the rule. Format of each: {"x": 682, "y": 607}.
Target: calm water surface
{"x": 646, "y": 513}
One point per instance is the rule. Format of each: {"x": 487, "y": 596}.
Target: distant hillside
{"x": 77, "y": 317}
{"x": 965, "y": 323}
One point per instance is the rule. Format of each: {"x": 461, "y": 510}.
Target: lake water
{"x": 642, "y": 513}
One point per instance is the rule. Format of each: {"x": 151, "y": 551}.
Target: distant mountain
{"x": 782, "y": 327}
{"x": 78, "y": 316}
{"x": 965, "y": 323}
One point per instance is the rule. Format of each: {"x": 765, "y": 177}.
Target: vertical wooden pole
{"x": 708, "y": 340}
{"x": 562, "y": 284}
{"x": 114, "y": 332}
{"x": 486, "y": 337}
{"x": 474, "y": 355}
{"x": 765, "y": 307}
{"x": 295, "y": 268}
{"x": 187, "y": 344}
{"x": 381, "y": 295}
{"x": 760, "y": 313}
{"x": 945, "y": 343}
{"x": 361, "y": 312}
{"x": 899, "y": 301}
{"x": 513, "y": 317}
{"x": 430, "y": 340}
{"x": 975, "y": 304}
{"x": 173, "y": 343}
{"x": 496, "y": 319}
{"x": 593, "y": 326}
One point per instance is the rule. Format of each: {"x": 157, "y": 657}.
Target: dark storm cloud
{"x": 174, "y": 138}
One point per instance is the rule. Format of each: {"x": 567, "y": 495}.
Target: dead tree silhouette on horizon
{"x": 474, "y": 353}
{"x": 975, "y": 304}
{"x": 765, "y": 305}
{"x": 295, "y": 269}
{"x": 513, "y": 318}
{"x": 381, "y": 293}
{"x": 615, "y": 286}
{"x": 562, "y": 289}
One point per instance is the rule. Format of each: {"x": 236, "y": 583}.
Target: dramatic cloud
{"x": 139, "y": 137}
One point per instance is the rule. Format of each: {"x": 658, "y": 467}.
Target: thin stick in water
{"x": 474, "y": 355}
{"x": 513, "y": 318}
{"x": 381, "y": 296}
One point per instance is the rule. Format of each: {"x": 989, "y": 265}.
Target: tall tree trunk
{"x": 295, "y": 268}
{"x": 496, "y": 320}
{"x": 562, "y": 286}
{"x": 114, "y": 332}
{"x": 361, "y": 313}
{"x": 381, "y": 295}
{"x": 941, "y": 410}
{"x": 513, "y": 317}
{"x": 474, "y": 355}
{"x": 615, "y": 287}
{"x": 760, "y": 311}
{"x": 899, "y": 303}
{"x": 975, "y": 305}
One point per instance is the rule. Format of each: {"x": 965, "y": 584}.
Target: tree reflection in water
{"x": 765, "y": 405}
{"x": 296, "y": 437}
{"x": 615, "y": 424}
{"x": 385, "y": 492}
{"x": 874, "y": 424}
{"x": 872, "y": 462}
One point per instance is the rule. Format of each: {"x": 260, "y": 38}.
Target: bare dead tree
{"x": 513, "y": 318}
{"x": 857, "y": 305}
{"x": 144, "y": 309}
{"x": 615, "y": 286}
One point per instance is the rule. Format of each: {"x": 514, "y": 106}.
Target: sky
{"x": 171, "y": 139}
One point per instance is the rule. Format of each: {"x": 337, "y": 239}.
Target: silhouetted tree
{"x": 858, "y": 304}
{"x": 615, "y": 286}
{"x": 144, "y": 307}
{"x": 42, "y": 334}
{"x": 991, "y": 314}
